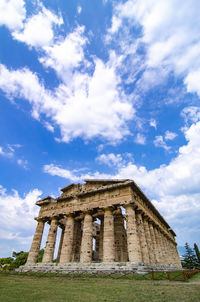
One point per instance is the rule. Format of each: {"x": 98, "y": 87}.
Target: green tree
{"x": 20, "y": 259}
{"x": 189, "y": 258}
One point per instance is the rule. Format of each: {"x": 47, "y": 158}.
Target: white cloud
{"x": 86, "y": 107}
{"x": 153, "y": 123}
{"x": 38, "y": 29}
{"x": 170, "y": 135}
{"x": 140, "y": 139}
{"x": 65, "y": 55}
{"x": 79, "y": 9}
{"x": 6, "y": 152}
{"x": 14, "y": 210}
{"x": 170, "y": 30}
{"x": 111, "y": 159}
{"x": 12, "y": 13}
{"x": 191, "y": 114}
{"x": 159, "y": 142}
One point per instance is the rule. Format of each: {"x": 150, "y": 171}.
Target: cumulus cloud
{"x": 170, "y": 31}
{"x": 38, "y": 29}
{"x": 110, "y": 159}
{"x": 14, "y": 209}
{"x": 88, "y": 106}
{"x": 12, "y": 13}
{"x": 65, "y": 55}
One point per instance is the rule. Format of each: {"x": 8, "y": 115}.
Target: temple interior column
{"x": 142, "y": 238}
{"x": 86, "y": 243}
{"x": 35, "y": 247}
{"x": 51, "y": 241}
{"x": 108, "y": 237}
{"x": 133, "y": 242}
{"x": 66, "y": 252}
{"x": 149, "y": 241}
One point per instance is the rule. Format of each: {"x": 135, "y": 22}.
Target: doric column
{"x": 121, "y": 254}
{"x": 60, "y": 245}
{"x": 159, "y": 245}
{"x": 77, "y": 240}
{"x": 149, "y": 241}
{"x": 51, "y": 241}
{"x": 101, "y": 239}
{"x": 66, "y": 252}
{"x": 153, "y": 240}
{"x": 108, "y": 237}
{"x": 164, "y": 251}
{"x": 142, "y": 238}
{"x": 134, "y": 250}
{"x": 35, "y": 247}
{"x": 86, "y": 243}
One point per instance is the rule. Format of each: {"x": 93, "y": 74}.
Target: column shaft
{"x": 108, "y": 238}
{"x": 101, "y": 240}
{"x": 134, "y": 250}
{"x": 66, "y": 252}
{"x": 149, "y": 242}
{"x": 86, "y": 243}
{"x": 153, "y": 239}
{"x": 142, "y": 237}
{"x": 51, "y": 241}
{"x": 35, "y": 247}
{"x": 60, "y": 245}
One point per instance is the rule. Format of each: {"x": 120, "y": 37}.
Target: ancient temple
{"x": 105, "y": 224}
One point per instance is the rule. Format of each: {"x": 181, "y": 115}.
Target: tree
{"x": 189, "y": 259}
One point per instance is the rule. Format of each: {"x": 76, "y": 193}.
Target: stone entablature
{"x": 128, "y": 227}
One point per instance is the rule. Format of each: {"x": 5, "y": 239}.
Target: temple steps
{"x": 113, "y": 267}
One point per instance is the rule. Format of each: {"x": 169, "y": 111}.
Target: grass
{"x": 23, "y": 288}
{"x": 195, "y": 278}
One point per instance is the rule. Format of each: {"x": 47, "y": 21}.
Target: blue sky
{"x": 99, "y": 89}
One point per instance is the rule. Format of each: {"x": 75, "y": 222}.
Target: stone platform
{"x": 76, "y": 267}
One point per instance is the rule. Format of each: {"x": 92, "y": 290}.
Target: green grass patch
{"x": 195, "y": 278}
{"x": 23, "y": 288}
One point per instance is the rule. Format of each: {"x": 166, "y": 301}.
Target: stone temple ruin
{"x": 107, "y": 225}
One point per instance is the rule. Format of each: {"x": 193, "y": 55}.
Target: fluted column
{"x": 51, "y": 241}
{"x": 149, "y": 241}
{"x": 86, "y": 243}
{"x": 153, "y": 240}
{"x": 141, "y": 233}
{"x": 108, "y": 237}
{"x": 60, "y": 245}
{"x": 35, "y": 246}
{"x": 134, "y": 250}
{"x": 77, "y": 240}
{"x": 66, "y": 252}
{"x": 159, "y": 245}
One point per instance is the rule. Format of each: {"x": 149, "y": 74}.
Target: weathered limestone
{"x": 108, "y": 239}
{"x": 51, "y": 241}
{"x": 35, "y": 247}
{"x": 142, "y": 237}
{"x": 134, "y": 249}
{"x": 67, "y": 246}
{"x": 95, "y": 229}
{"x": 86, "y": 243}
{"x": 149, "y": 241}
{"x": 60, "y": 245}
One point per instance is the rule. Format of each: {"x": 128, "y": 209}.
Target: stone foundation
{"x": 102, "y": 267}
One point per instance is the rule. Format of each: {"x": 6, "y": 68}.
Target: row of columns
{"x": 141, "y": 242}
